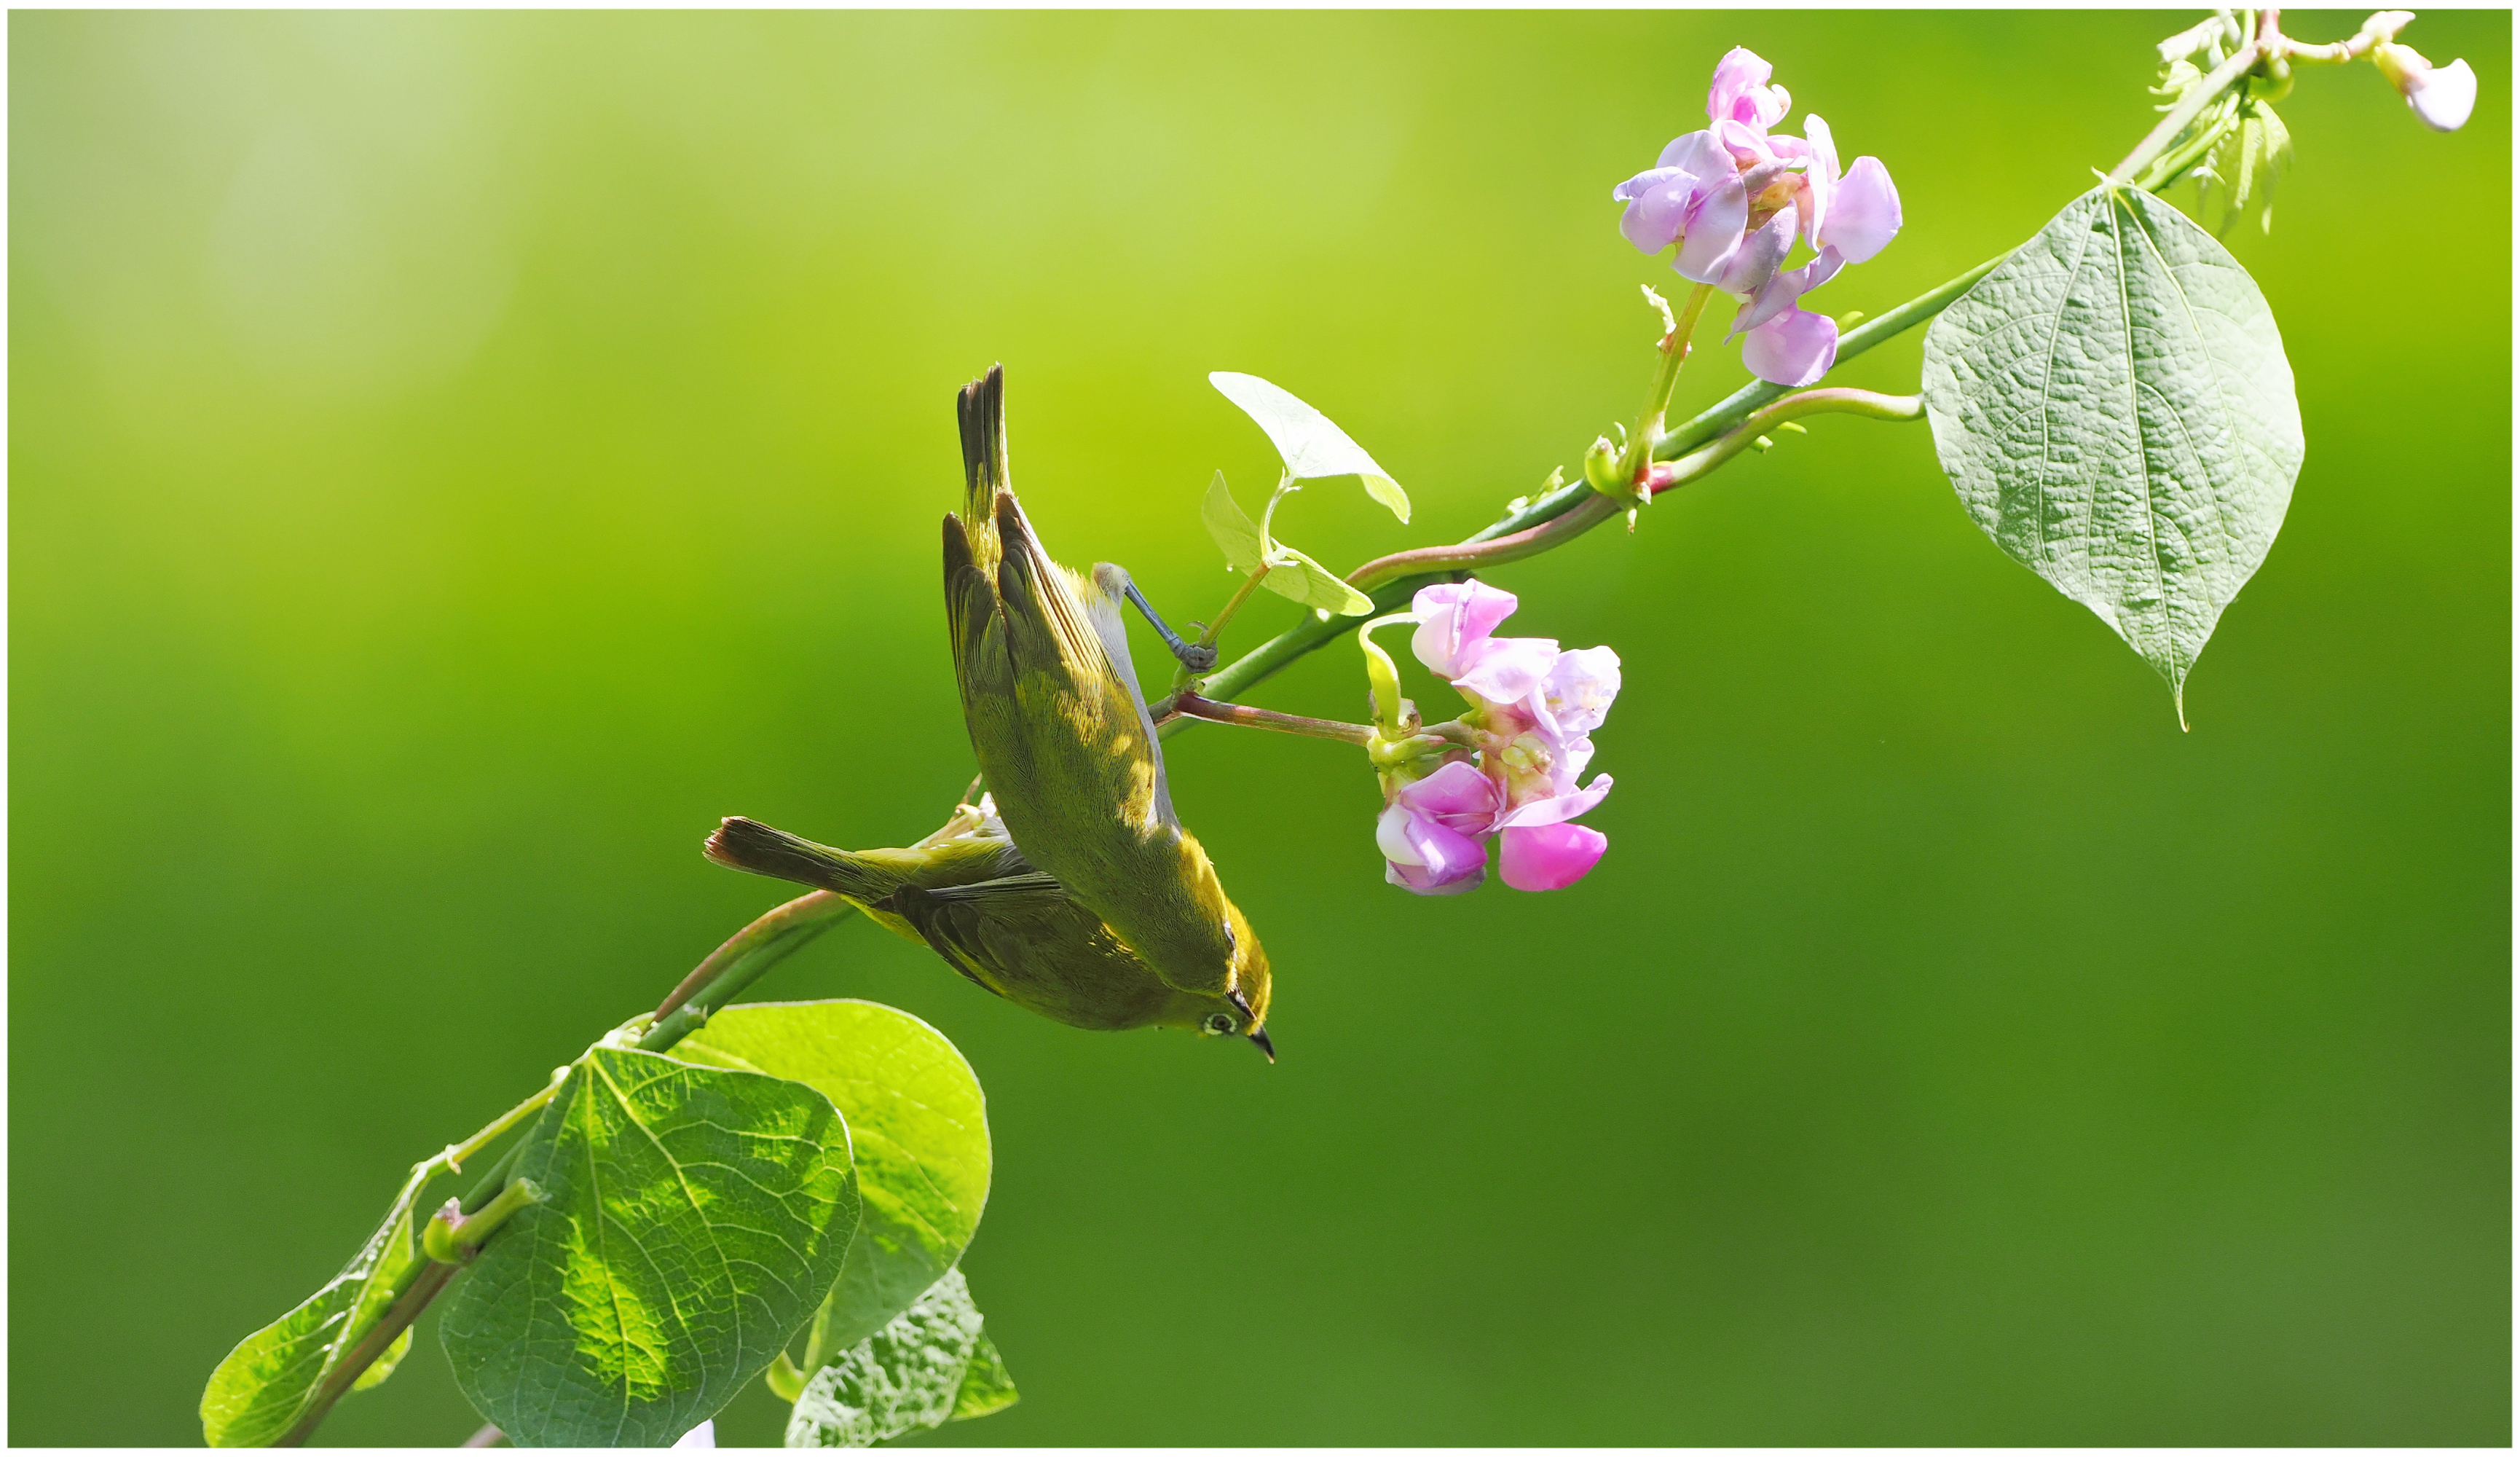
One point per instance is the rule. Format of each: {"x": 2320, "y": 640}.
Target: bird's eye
{"x": 1219, "y": 1023}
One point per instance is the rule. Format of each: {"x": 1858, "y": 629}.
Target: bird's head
{"x": 1243, "y": 1011}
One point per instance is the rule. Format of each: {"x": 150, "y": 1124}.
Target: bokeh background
{"x": 457, "y": 457}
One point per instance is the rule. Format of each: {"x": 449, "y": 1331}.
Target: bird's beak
{"x": 1259, "y": 1038}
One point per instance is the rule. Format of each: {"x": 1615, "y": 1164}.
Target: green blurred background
{"x": 458, "y": 457}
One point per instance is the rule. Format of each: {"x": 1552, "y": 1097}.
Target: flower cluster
{"x": 1533, "y": 709}
{"x": 1736, "y": 199}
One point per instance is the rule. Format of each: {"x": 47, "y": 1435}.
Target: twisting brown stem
{"x": 1191, "y": 706}
{"x": 1836, "y": 400}
{"x": 1525, "y": 543}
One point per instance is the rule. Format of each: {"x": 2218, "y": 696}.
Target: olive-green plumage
{"x": 970, "y": 896}
{"x": 1064, "y": 741}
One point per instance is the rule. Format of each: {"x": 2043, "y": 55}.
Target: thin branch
{"x": 2200, "y": 96}
{"x": 1531, "y": 541}
{"x": 1191, "y": 706}
{"x": 1836, "y": 400}
{"x": 768, "y": 927}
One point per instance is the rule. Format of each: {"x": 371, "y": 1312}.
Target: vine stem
{"x": 1398, "y": 576}
{"x": 1731, "y": 423}
{"x": 1191, "y": 706}
{"x": 397, "y": 1319}
{"x": 2198, "y": 97}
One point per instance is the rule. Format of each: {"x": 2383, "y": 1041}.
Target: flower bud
{"x": 2440, "y": 96}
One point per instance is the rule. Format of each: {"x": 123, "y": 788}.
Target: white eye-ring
{"x": 1219, "y": 1023}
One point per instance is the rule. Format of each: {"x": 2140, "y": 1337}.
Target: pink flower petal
{"x": 1576, "y": 695}
{"x": 1456, "y": 796}
{"x": 1414, "y": 843}
{"x": 1551, "y": 858}
{"x": 1415, "y": 879}
{"x": 1864, "y": 215}
{"x": 1753, "y": 265}
{"x": 1698, "y": 153}
{"x": 1713, "y": 230}
{"x": 1452, "y": 620}
{"x": 1741, "y": 93}
{"x": 1557, "y": 809}
{"x": 1504, "y": 670}
{"x": 1793, "y": 348}
{"x": 1820, "y": 177}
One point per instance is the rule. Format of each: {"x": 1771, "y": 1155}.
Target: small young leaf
{"x": 918, "y": 1126}
{"x": 986, "y": 1386}
{"x": 1313, "y": 448}
{"x": 916, "y": 1373}
{"x": 1237, "y": 535}
{"x": 2114, "y": 407}
{"x": 1293, "y": 574}
{"x": 271, "y": 1378}
{"x": 694, "y": 1219}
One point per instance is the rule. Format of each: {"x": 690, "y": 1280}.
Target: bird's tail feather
{"x": 983, "y": 411}
{"x": 739, "y": 844}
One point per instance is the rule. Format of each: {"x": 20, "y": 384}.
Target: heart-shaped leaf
{"x": 919, "y": 1129}
{"x": 695, "y": 1218}
{"x": 2114, "y": 407}
{"x": 1292, "y": 574}
{"x": 1237, "y": 534}
{"x": 1312, "y": 447}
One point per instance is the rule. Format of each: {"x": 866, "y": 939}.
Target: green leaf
{"x": 2241, "y": 169}
{"x": 918, "y": 1126}
{"x": 1313, "y": 448}
{"x": 695, "y": 1217}
{"x": 986, "y": 1386}
{"x": 271, "y": 1378}
{"x": 1293, "y": 574}
{"x": 930, "y": 1366}
{"x": 1237, "y": 535}
{"x": 385, "y": 1363}
{"x": 2114, "y": 407}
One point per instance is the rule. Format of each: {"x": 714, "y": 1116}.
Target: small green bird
{"x": 970, "y": 896}
{"x": 1064, "y": 741}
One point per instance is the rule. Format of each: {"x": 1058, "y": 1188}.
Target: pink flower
{"x": 1742, "y": 92}
{"x": 1430, "y": 832}
{"x": 1533, "y": 711}
{"x": 1735, "y": 226}
{"x": 1692, "y": 195}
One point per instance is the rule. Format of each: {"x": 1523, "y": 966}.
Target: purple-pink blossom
{"x": 1533, "y": 711}
{"x": 1735, "y": 200}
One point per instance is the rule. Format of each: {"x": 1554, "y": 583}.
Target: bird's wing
{"x": 1031, "y": 884}
{"x": 1045, "y": 693}
{"x": 1023, "y": 937}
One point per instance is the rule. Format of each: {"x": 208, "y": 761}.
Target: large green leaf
{"x": 695, "y": 1217}
{"x": 271, "y": 1378}
{"x": 2114, "y": 407}
{"x": 931, "y": 1365}
{"x": 917, "y": 1125}
{"x": 1312, "y": 447}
